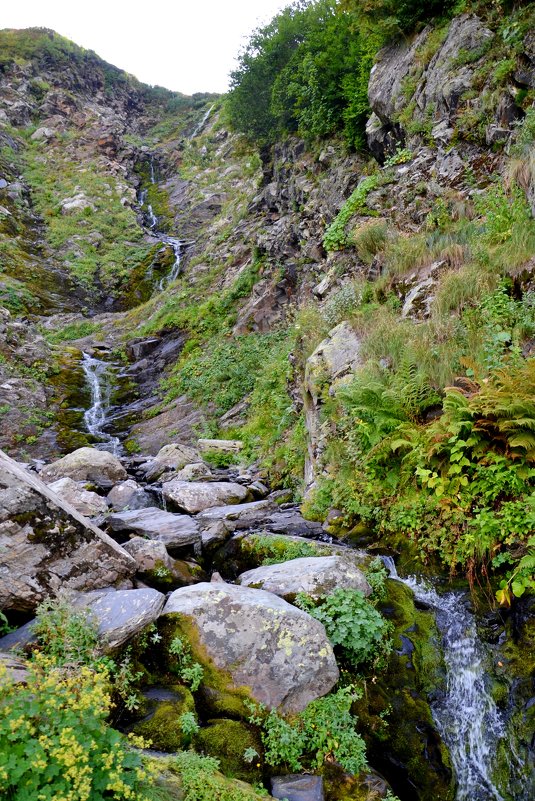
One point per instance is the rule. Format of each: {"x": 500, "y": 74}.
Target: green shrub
{"x": 353, "y": 624}
{"x": 324, "y": 731}
{"x": 336, "y": 236}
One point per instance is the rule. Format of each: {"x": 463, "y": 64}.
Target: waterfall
{"x": 200, "y": 125}
{"x": 97, "y": 375}
{"x": 151, "y": 219}
{"x": 177, "y": 245}
{"x": 466, "y": 716}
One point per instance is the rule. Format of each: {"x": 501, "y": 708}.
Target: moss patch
{"x": 227, "y": 740}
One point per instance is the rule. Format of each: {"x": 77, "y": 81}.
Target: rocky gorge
{"x": 243, "y": 388}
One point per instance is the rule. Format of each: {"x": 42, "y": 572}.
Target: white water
{"x": 200, "y": 125}
{"x": 466, "y": 716}
{"x": 97, "y": 374}
{"x": 176, "y": 244}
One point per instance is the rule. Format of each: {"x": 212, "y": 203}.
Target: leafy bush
{"x": 324, "y": 731}
{"x": 306, "y": 71}
{"x": 353, "y": 624}
{"x": 54, "y": 741}
{"x": 200, "y": 780}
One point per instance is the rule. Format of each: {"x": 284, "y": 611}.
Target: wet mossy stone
{"x": 408, "y": 750}
{"x": 162, "y": 723}
{"x": 227, "y": 740}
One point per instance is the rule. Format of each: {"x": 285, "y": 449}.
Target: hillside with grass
{"x": 311, "y": 301}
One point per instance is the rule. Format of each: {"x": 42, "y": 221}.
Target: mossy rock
{"x": 408, "y": 749}
{"x": 162, "y": 724}
{"x": 227, "y": 740}
{"x": 217, "y": 695}
{"x": 341, "y": 786}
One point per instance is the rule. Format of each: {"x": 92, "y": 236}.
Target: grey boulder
{"x": 257, "y": 641}
{"x": 171, "y": 457}
{"x": 129, "y": 494}
{"x": 84, "y": 501}
{"x": 173, "y": 530}
{"x": 196, "y": 496}
{"x": 313, "y": 575}
{"x": 87, "y": 464}
{"x": 123, "y": 614}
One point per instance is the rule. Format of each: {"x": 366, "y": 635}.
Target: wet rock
{"x": 87, "y": 503}
{"x": 297, "y": 787}
{"x": 175, "y": 531}
{"x": 46, "y": 545}
{"x": 197, "y": 496}
{"x": 313, "y": 575}
{"x": 252, "y": 643}
{"x": 87, "y": 464}
{"x": 123, "y": 614}
{"x": 129, "y": 495}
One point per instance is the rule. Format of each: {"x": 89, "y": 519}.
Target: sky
{"x": 185, "y": 45}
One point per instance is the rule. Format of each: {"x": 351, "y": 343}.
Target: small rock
{"x": 129, "y": 494}
{"x": 197, "y": 496}
{"x": 297, "y": 787}
{"x": 170, "y": 457}
{"x": 42, "y": 133}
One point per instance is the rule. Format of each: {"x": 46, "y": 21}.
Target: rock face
{"x": 46, "y": 545}
{"x": 87, "y": 503}
{"x": 334, "y": 358}
{"x": 194, "y": 497}
{"x": 156, "y": 566}
{"x": 87, "y": 464}
{"x": 173, "y": 530}
{"x": 123, "y": 614}
{"x": 313, "y": 575}
{"x": 254, "y": 640}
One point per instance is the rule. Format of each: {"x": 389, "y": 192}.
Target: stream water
{"x": 466, "y": 715}
{"x": 99, "y": 379}
{"x": 177, "y": 245}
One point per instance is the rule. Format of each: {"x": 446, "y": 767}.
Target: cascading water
{"x": 466, "y": 716}
{"x": 96, "y": 417}
{"x": 200, "y": 125}
{"x": 176, "y": 244}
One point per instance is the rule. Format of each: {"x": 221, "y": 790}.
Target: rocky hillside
{"x": 291, "y": 315}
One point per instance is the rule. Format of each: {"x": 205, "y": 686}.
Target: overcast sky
{"x": 185, "y": 45}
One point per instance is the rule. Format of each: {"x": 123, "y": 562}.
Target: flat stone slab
{"x": 123, "y": 614}
{"x": 313, "y": 575}
{"x": 173, "y": 530}
{"x": 280, "y": 653}
{"x": 196, "y": 496}
{"x": 245, "y": 512}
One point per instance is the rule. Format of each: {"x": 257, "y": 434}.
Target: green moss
{"x": 162, "y": 727}
{"x": 218, "y": 694}
{"x": 227, "y": 740}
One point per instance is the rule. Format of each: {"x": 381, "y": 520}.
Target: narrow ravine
{"x": 466, "y": 714}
